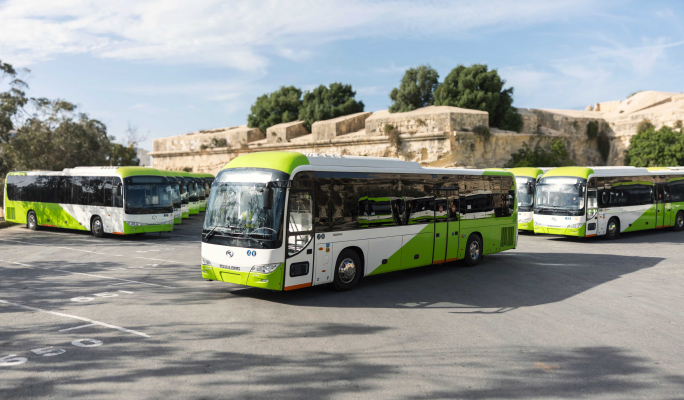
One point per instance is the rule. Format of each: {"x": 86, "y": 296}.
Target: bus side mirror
{"x": 267, "y": 199}
{"x": 118, "y": 190}
{"x": 529, "y": 189}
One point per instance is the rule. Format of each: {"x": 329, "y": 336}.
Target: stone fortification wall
{"x": 437, "y": 136}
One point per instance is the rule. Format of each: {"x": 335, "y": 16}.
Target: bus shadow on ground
{"x": 652, "y": 236}
{"x": 502, "y": 282}
{"x": 190, "y": 233}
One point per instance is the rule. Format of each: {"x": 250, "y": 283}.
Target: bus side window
{"x": 108, "y": 195}
{"x": 508, "y": 191}
{"x": 323, "y": 202}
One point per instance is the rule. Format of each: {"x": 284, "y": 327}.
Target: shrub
{"x": 656, "y": 148}
{"x": 325, "y": 103}
{"x": 644, "y": 125}
{"x": 554, "y": 155}
{"x": 478, "y": 88}
{"x": 416, "y": 89}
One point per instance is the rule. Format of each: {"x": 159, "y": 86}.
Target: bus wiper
{"x": 245, "y": 235}
{"x": 210, "y": 233}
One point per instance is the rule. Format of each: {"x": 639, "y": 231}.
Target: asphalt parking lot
{"x": 131, "y": 318}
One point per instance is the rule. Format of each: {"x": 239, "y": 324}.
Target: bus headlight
{"x": 525, "y": 221}
{"x": 131, "y": 223}
{"x": 266, "y": 268}
{"x": 206, "y": 262}
{"x": 574, "y": 226}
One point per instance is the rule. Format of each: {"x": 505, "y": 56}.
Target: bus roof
{"x": 290, "y": 161}
{"x": 124, "y": 172}
{"x": 587, "y": 172}
{"x": 526, "y": 171}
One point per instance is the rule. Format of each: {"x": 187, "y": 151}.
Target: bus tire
{"x": 679, "y": 222}
{"x": 613, "y": 229}
{"x": 32, "y": 221}
{"x": 348, "y": 270}
{"x": 96, "y": 227}
{"x": 474, "y": 249}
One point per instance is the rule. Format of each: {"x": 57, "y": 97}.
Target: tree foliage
{"x": 477, "y": 88}
{"x": 51, "y": 134}
{"x": 656, "y": 148}
{"x": 555, "y": 155}
{"x": 325, "y": 103}
{"x": 416, "y": 89}
{"x": 275, "y": 108}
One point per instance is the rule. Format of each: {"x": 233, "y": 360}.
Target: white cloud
{"x": 241, "y": 33}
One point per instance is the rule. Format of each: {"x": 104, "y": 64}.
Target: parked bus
{"x": 526, "y": 183}
{"x": 581, "y": 201}
{"x": 208, "y": 179}
{"x": 201, "y": 191}
{"x": 193, "y": 192}
{"x": 185, "y": 195}
{"x": 117, "y": 200}
{"x": 286, "y": 220}
{"x": 177, "y": 203}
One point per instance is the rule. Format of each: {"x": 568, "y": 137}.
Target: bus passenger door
{"x": 663, "y": 206}
{"x": 452, "y": 227}
{"x": 441, "y": 230}
{"x": 299, "y": 263}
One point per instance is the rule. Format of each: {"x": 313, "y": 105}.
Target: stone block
{"x": 433, "y": 119}
{"x": 282, "y": 133}
{"x": 330, "y": 128}
{"x": 530, "y": 121}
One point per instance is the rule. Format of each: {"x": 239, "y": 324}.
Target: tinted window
{"x": 677, "y": 191}
{"x": 385, "y": 205}
{"x": 347, "y": 190}
{"x": 476, "y": 197}
{"x": 97, "y": 185}
{"x": 323, "y": 203}
{"x": 117, "y": 192}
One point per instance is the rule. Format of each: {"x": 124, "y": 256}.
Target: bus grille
{"x": 10, "y": 212}
{"x": 507, "y": 236}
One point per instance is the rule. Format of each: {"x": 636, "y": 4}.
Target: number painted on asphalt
{"x": 87, "y": 343}
{"x": 49, "y": 351}
{"x": 82, "y": 299}
{"x": 12, "y": 359}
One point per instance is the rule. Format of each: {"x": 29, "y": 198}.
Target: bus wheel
{"x": 679, "y": 222}
{"x": 613, "y": 229}
{"x": 474, "y": 249}
{"x": 347, "y": 270}
{"x": 96, "y": 227}
{"x": 32, "y": 221}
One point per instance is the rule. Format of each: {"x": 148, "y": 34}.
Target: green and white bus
{"x": 201, "y": 191}
{"x": 177, "y": 202}
{"x": 185, "y": 195}
{"x": 116, "y": 200}
{"x": 585, "y": 202}
{"x": 526, "y": 183}
{"x": 193, "y": 192}
{"x": 287, "y": 220}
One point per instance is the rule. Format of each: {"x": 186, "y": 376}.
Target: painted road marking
{"x": 76, "y": 327}
{"x": 75, "y": 317}
{"x": 125, "y": 281}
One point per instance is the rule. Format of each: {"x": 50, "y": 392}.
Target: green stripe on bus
{"x": 285, "y": 161}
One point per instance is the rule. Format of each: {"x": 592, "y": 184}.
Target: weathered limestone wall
{"x": 436, "y": 136}
{"x": 331, "y": 128}
{"x": 234, "y": 136}
{"x": 282, "y": 133}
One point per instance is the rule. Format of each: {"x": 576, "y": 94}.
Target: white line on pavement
{"x": 75, "y": 327}
{"x": 75, "y": 317}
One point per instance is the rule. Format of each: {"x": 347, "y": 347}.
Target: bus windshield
{"x": 525, "y": 186}
{"x": 560, "y": 193}
{"x": 176, "y": 195}
{"x": 192, "y": 190}
{"x": 184, "y": 193}
{"x": 148, "y": 195}
{"x": 235, "y": 215}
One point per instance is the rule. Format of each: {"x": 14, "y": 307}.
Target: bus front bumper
{"x": 272, "y": 281}
{"x": 129, "y": 230}
{"x": 565, "y": 231}
{"x": 526, "y": 226}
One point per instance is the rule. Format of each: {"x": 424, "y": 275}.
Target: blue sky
{"x": 171, "y": 67}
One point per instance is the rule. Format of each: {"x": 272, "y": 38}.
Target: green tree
{"x": 275, "y": 108}
{"x": 656, "y": 148}
{"x": 477, "y": 88}
{"x": 325, "y": 103}
{"x": 11, "y": 102}
{"x": 555, "y": 155}
{"x": 416, "y": 89}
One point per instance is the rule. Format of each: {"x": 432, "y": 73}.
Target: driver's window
{"x": 300, "y": 221}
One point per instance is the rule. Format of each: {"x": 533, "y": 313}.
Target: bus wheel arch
{"x": 348, "y": 269}
{"x": 474, "y": 250}
{"x": 32, "y": 220}
{"x": 679, "y": 221}
{"x": 613, "y": 228}
{"x": 96, "y": 226}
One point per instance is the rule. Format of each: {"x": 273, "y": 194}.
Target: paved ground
{"x": 131, "y": 318}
